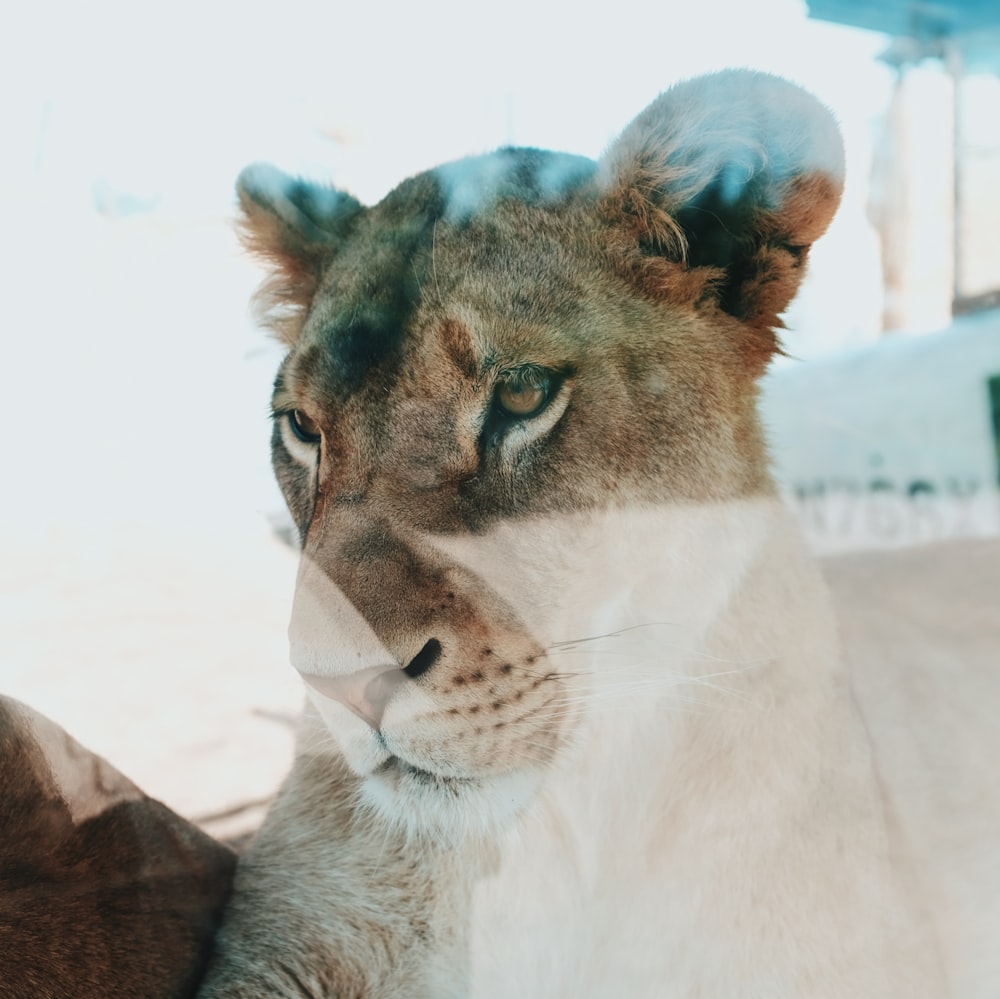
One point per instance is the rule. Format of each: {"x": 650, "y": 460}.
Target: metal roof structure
{"x": 971, "y": 25}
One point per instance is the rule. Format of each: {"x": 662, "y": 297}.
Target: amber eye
{"x": 306, "y": 429}
{"x": 524, "y": 395}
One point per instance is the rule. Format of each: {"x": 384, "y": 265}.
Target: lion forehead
{"x": 510, "y": 288}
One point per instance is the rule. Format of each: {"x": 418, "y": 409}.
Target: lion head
{"x": 518, "y": 398}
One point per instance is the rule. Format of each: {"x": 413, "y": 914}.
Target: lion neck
{"x": 670, "y": 770}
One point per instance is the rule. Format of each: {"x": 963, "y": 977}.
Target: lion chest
{"x": 575, "y": 906}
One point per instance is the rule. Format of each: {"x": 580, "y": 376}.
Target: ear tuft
{"x": 296, "y": 227}
{"x": 737, "y": 172}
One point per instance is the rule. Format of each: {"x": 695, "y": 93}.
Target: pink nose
{"x": 365, "y": 692}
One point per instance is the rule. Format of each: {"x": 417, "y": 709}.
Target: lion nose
{"x": 365, "y": 692}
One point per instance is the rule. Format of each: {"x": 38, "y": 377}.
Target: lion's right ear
{"x": 296, "y": 227}
{"x": 716, "y": 191}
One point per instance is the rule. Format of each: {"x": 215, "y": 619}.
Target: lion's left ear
{"x": 296, "y": 227}
{"x": 718, "y": 189}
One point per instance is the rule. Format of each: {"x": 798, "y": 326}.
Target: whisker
{"x": 416, "y": 276}
{"x": 434, "y": 270}
{"x": 378, "y": 862}
{"x": 614, "y": 634}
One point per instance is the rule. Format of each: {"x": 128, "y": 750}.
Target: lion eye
{"x": 304, "y": 427}
{"x": 524, "y": 395}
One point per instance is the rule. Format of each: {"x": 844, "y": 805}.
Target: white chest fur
{"x": 718, "y": 833}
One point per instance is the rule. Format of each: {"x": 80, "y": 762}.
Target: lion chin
{"x": 423, "y": 805}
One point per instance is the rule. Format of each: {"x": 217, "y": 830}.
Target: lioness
{"x": 578, "y": 724}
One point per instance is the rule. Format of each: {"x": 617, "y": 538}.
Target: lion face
{"x": 498, "y": 382}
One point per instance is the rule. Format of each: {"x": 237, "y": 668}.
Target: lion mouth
{"x": 395, "y": 769}
{"x": 449, "y": 808}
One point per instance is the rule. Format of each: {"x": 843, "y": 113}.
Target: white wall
{"x": 892, "y": 444}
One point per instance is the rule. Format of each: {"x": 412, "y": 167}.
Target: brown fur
{"x": 104, "y": 893}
